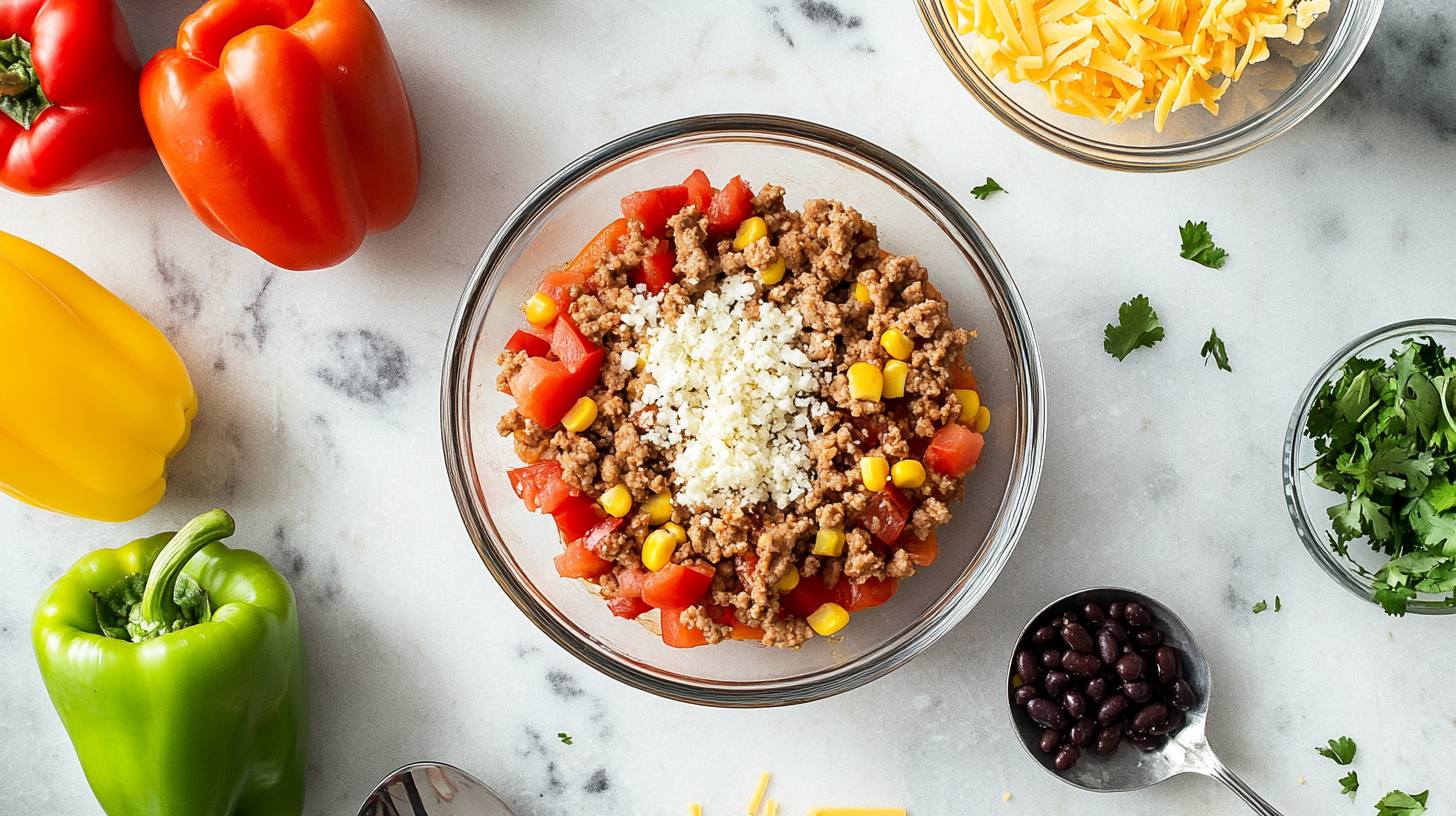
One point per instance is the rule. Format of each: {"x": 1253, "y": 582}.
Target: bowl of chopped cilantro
{"x": 1369, "y": 466}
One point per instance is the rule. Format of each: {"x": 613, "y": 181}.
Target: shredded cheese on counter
{"x": 1118, "y": 59}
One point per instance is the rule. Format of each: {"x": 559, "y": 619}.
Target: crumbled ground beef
{"x": 827, "y": 249}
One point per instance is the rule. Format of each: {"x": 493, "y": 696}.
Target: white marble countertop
{"x": 319, "y": 425}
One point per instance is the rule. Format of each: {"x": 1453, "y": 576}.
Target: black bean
{"x": 1074, "y": 703}
{"x": 1107, "y": 646}
{"x": 1075, "y": 636}
{"x": 1083, "y": 732}
{"x": 1023, "y": 695}
{"x": 1119, "y": 632}
{"x": 1096, "y": 689}
{"x": 1148, "y": 637}
{"x": 1086, "y": 665}
{"x": 1044, "y": 635}
{"x": 1066, "y": 757}
{"x": 1167, "y": 662}
{"x": 1175, "y": 721}
{"x": 1147, "y": 742}
{"x": 1110, "y": 708}
{"x": 1130, "y": 667}
{"x": 1108, "y": 739}
{"x": 1135, "y": 615}
{"x": 1056, "y": 682}
{"x": 1183, "y": 696}
{"x": 1047, "y": 714}
{"x": 1051, "y": 740}
{"x": 1051, "y": 659}
{"x": 1115, "y": 610}
{"x": 1026, "y": 666}
{"x": 1149, "y": 717}
{"x": 1093, "y": 613}
{"x": 1138, "y": 690}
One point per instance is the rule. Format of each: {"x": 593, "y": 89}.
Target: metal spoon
{"x": 1129, "y": 768}
{"x": 433, "y": 789}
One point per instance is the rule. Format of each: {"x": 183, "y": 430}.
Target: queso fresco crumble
{"x": 747, "y": 419}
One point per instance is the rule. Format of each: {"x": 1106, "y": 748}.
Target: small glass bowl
{"x": 1270, "y": 98}
{"x": 1308, "y": 502}
{"x": 914, "y": 216}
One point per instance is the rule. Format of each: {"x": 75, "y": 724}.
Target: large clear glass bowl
{"x": 1307, "y": 502}
{"x": 1270, "y": 98}
{"x": 915, "y": 216}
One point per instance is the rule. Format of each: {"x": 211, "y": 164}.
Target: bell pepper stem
{"x": 159, "y": 604}
{"x": 14, "y": 82}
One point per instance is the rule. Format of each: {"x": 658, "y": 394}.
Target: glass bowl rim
{"x": 1006, "y": 527}
{"x": 1295, "y": 497}
{"x": 1313, "y": 89}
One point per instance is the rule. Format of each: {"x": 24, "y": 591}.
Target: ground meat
{"x": 834, "y": 264}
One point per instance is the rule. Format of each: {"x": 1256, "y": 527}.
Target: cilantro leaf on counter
{"x": 565, "y": 740}
{"x": 1342, "y": 751}
{"x": 1214, "y": 347}
{"x": 1397, "y": 803}
{"x": 984, "y": 191}
{"x": 1198, "y": 245}
{"x": 1278, "y": 605}
{"x": 1260, "y": 606}
{"x": 1137, "y": 327}
{"x": 1350, "y": 783}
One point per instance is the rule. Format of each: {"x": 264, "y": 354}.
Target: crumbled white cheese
{"x": 731, "y": 395}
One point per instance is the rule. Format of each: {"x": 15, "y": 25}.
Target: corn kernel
{"x": 897, "y": 344}
{"x": 970, "y": 404}
{"x": 657, "y": 550}
{"x": 581, "y": 415}
{"x": 828, "y": 619}
{"x": 866, "y": 382}
{"x": 983, "y": 419}
{"x": 749, "y": 231}
{"x": 540, "y": 310}
{"x": 861, "y": 293}
{"x": 677, "y": 531}
{"x": 908, "y": 473}
{"x": 1016, "y": 682}
{"x": 875, "y": 472}
{"x": 659, "y": 509}
{"x": 830, "y": 541}
{"x": 789, "y": 581}
{"x": 617, "y": 500}
{"x": 773, "y": 273}
{"x": 641, "y": 363}
{"x": 896, "y": 372}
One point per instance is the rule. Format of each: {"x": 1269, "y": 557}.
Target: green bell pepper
{"x": 177, "y": 667}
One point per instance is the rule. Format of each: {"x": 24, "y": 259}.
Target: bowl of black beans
{"x": 1100, "y": 668}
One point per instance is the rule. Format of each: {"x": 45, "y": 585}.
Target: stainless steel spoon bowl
{"x": 1129, "y": 768}
{"x": 433, "y": 789}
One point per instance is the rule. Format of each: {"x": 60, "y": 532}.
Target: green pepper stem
{"x": 14, "y": 82}
{"x": 159, "y": 604}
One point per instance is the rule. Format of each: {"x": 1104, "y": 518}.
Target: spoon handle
{"x": 1219, "y": 771}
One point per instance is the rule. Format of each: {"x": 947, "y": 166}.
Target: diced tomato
{"x": 955, "y": 450}
{"x": 746, "y": 566}
{"x": 545, "y": 390}
{"x": 629, "y": 608}
{"x": 741, "y": 630}
{"x": 571, "y": 346}
{"x": 676, "y": 586}
{"x": 607, "y": 241}
{"x": 629, "y": 582}
{"x": 529, "y": 341}
{"x": 652, "y": 208}
{"x": 700, "y": 192}
{"x": 591, "y": 368}
{"x": 807, "y": 597}
{"x": 868, "y": 595}
{"x": 575, "y": 517}
{"x": 923, "y": 552}
{"x": 730, "y": 206}
{"x": 870, "y": 427}
{"x": 885, "y": 514}
{"x": 655, "y": 272}
{"x": 579, "y": 562}
{"x": 557, "y": 286}
{"x": 961, "y": 375}
{"x": 678, "y": 635}
{"x": 597, "y": 535}
{"x": 540, "y": 486}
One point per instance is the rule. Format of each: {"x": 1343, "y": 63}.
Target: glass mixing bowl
{"x": 915, "y": 216}
{"x": 1307, "y": 502}
{"x": 1270, "y": 98}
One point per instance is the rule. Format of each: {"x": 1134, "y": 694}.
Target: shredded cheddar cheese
{"x": 758, "y": 794}
{"x": 1115, "y": 60}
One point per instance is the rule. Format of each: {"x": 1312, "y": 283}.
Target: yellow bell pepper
{"x": 93, "y": 399}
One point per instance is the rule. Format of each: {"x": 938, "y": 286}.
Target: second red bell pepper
{"x": 286, "y": 126}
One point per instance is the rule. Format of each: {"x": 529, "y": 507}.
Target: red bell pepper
{"x": 529, "y": 341}
{"x": 286, "y": 127}
{"x": 68, "y": 94}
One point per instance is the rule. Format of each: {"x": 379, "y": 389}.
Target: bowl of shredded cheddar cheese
{"x": 1150, "y": 85}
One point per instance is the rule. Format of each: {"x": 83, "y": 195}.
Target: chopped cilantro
{"x": 1214, "y": 347}
{"x": 1260, "y": 607}
{"x": 1397, "y": 803}
{"x": 561, "y": 735}
{"x": 1198, "y": 245}
{"x": 1342, "y": 751}
{"x": 1137, "y": 326}
{"x": 984, "y": 191}
{"x": 1278, "y": 605}
{"x": 1350, "y": 783}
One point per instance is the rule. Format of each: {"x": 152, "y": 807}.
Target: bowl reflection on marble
{"x": 1308, "y": 502}
{"x": 1268, "y": 99}
{"x": 915, "y": 216}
